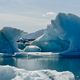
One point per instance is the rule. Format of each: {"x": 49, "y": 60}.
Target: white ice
{"x": 13, "y": 73}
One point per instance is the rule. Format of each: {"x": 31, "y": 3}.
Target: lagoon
{"x": 43, "y": 63}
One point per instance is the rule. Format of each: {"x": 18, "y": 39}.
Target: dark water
{"x": 59, "y": 64}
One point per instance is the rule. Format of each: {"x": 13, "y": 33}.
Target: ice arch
{"x": 62, "y": 35}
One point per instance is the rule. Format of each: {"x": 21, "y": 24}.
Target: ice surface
{"x": 62, "y": 35}
{"x": 70, "y": 24}
{"x": 32, "y": 48}
{"x": 12, "y": 73}
{"x": 8, "y": 38}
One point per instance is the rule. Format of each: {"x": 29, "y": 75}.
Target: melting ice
{"x": 61, "y": 36}
{"x": 12, "y": 73}
{"x": 8, "y": 37}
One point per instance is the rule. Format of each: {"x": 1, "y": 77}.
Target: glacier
{"x": 8, "y": 37}
{"x": 62, "y": 35}
{"x": 13, "y": 73}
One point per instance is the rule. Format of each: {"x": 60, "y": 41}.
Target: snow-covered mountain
{"x": 33, "y": 35}
{"x": 27, "y": 37}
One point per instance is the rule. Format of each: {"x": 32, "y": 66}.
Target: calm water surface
{"x": 59, "y": 64}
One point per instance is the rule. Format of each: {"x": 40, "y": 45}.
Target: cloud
{"x": 26, "y": 23}
{"x": 49, "y": 14}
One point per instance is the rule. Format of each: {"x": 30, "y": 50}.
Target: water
{"x": 59, "y": 64}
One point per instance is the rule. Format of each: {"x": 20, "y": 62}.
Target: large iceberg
{"x": 8, "y": 38}
{"x": 62, "y": 35}
{"x": 12, "y": 73}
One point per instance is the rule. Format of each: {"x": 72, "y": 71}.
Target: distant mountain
{"x": 33, "y": 35}
{"x": 25, "y": 37}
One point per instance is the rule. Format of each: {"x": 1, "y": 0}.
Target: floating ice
{"x": 62, "y": 35}
{"x": 32, "y": 48}
{"x": 26, "y": 37}
{"x": 12, "y": 73}
{"x": 8, "y": 37}
{"x": 21, "y": 45}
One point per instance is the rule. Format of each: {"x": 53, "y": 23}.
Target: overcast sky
{"x": 31, "y": 15}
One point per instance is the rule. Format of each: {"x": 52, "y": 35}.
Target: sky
{"x": 32, "y": 15}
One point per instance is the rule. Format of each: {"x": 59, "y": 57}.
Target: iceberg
{"x": 8, "y": 38}
{"x": 26, "y": 37}
{"x": 13, "y": 73}
{"x": 62, "y": 35}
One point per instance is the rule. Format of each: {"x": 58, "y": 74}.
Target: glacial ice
{"x": 13, "y": 73}
{"x": 32, "y": 48}
{"x": 28, "y": 36}
{"x": 62, "y": 35}
{"x": 8, "y": 38}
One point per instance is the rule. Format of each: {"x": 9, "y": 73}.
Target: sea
{"x": 43, "y": 63}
